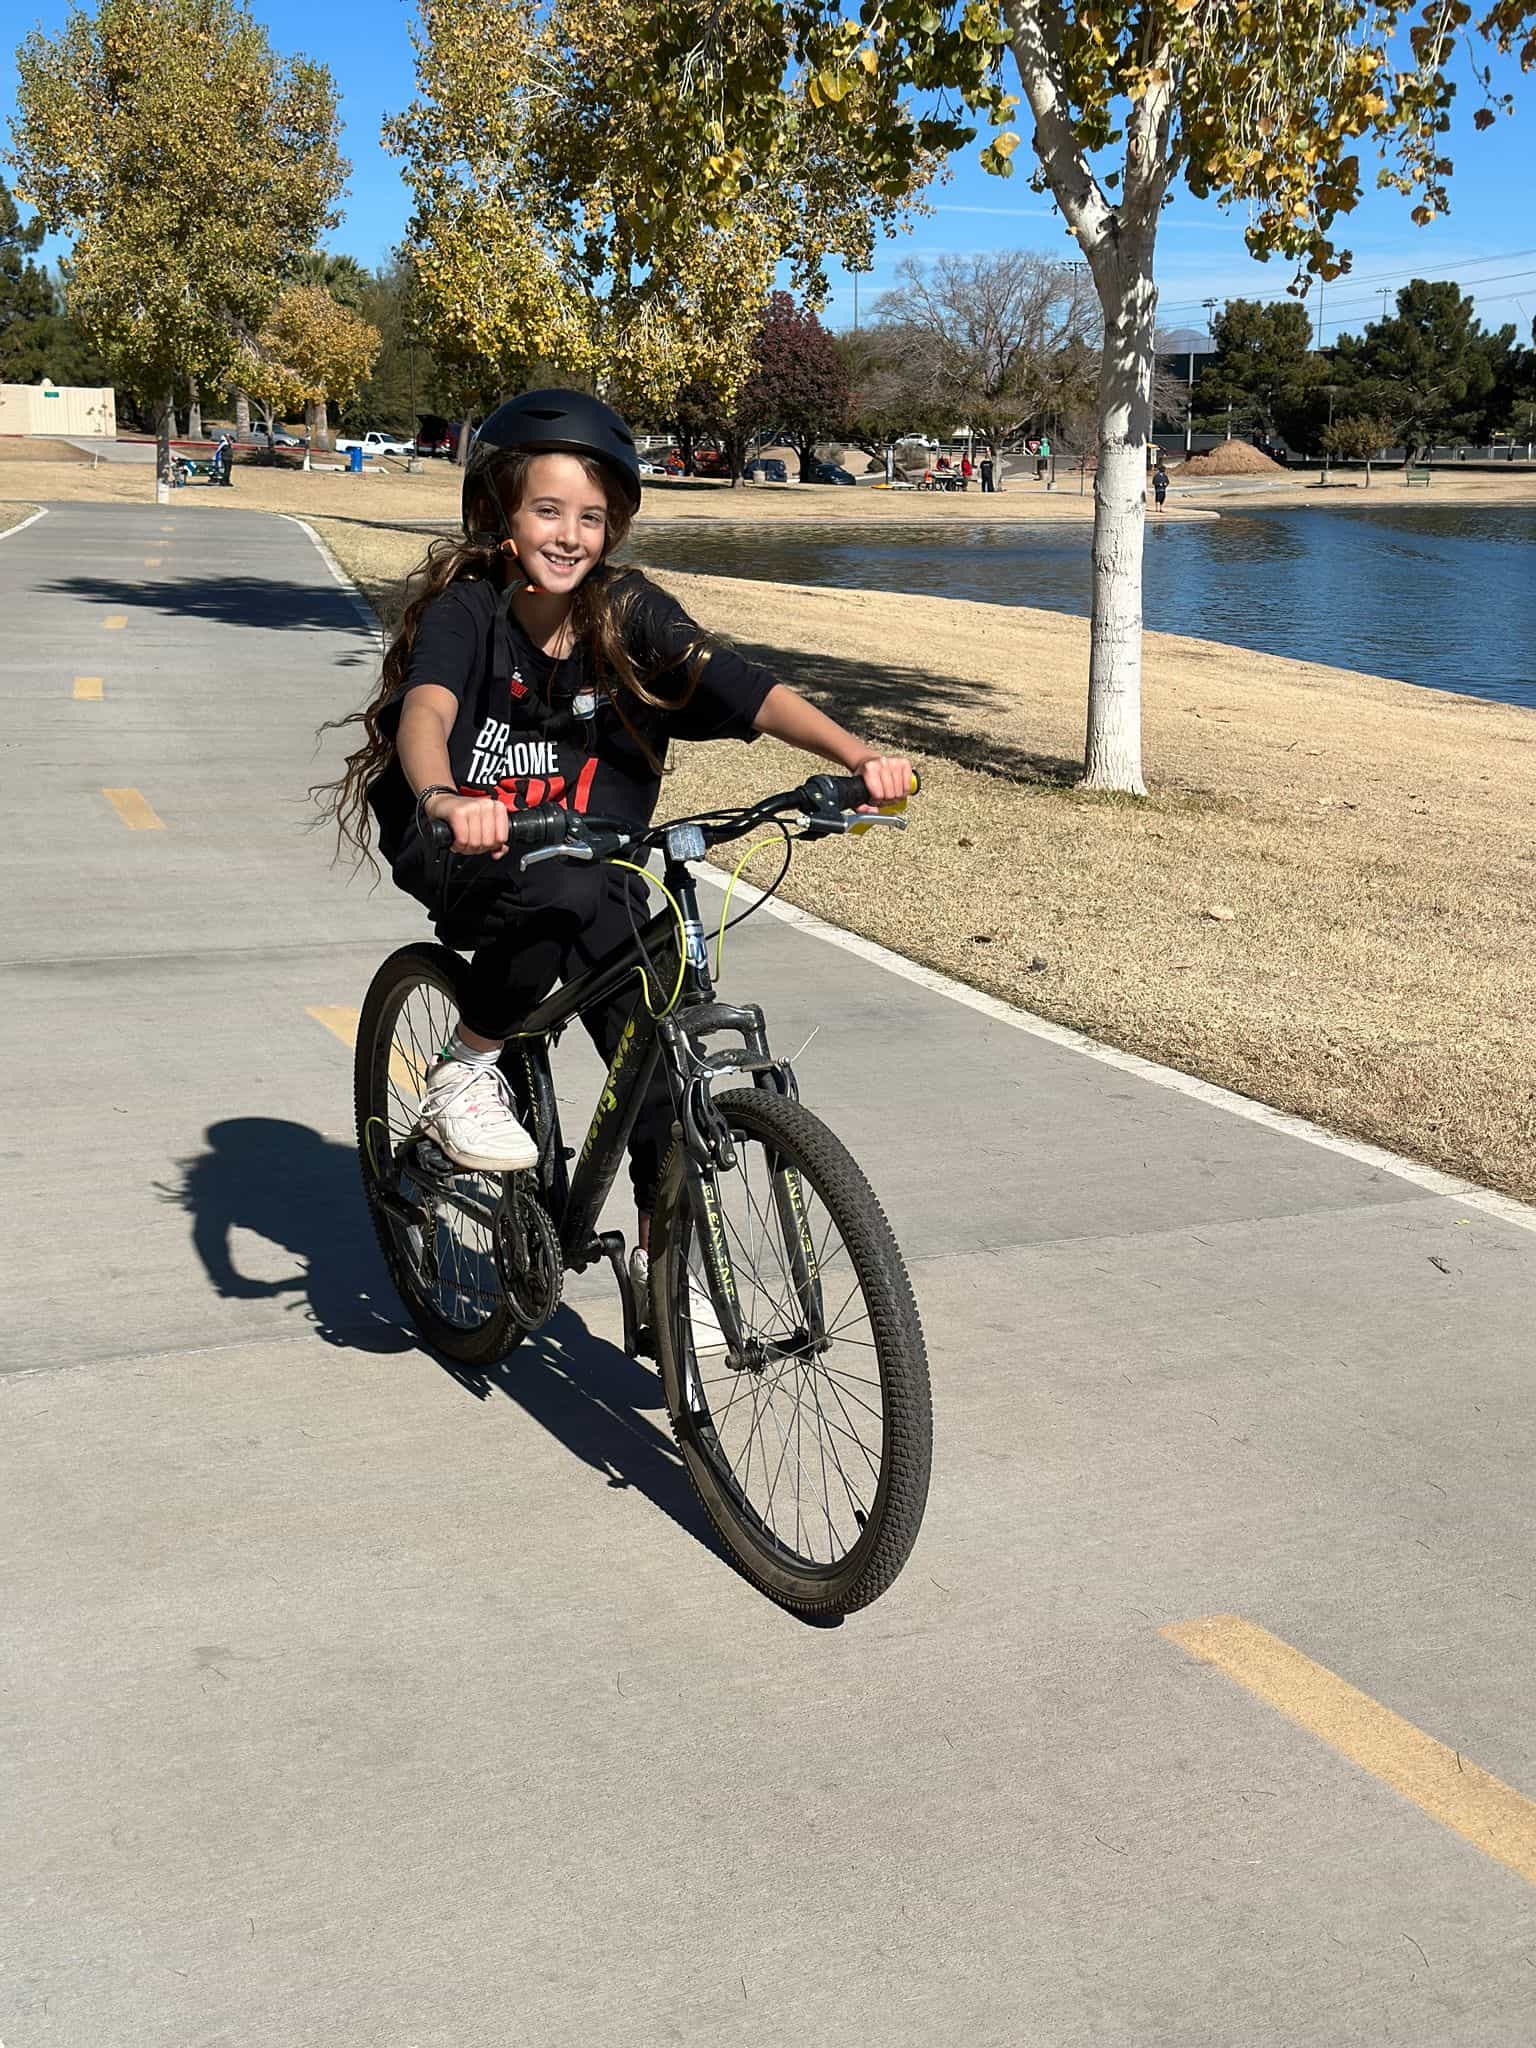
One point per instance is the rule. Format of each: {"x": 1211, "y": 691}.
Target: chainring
{"x": 528, "y": 1256}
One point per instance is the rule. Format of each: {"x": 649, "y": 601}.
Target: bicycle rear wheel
{"x": 812, "y": 1461}
{"x": 436, "y": 1223}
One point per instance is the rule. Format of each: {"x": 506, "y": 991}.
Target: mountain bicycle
{"x": 779, "y": 1309}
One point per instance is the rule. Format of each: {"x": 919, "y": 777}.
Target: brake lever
{"x": 566, "y": 850}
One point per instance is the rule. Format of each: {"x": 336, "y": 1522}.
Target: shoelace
{"x": 446, "y": 1088}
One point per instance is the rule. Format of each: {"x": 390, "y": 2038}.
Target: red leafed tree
{"x": 799, "y": 388}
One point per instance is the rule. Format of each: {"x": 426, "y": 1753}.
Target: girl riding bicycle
{"x": 528, "y": 670}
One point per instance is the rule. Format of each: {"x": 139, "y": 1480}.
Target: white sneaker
{"x": 468, "y": 1111}
{"x": 707, "y": 1333}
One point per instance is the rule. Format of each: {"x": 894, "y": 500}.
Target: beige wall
{"x": 50, "y": 409}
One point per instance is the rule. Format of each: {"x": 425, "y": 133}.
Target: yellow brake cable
{"x": 646, "y": 875}
{"x": 730, "y": 890}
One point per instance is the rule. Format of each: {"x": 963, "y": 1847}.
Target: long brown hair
{"x": 600, "y": 606}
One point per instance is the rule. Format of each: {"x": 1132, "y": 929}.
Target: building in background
{"x": 49, "y": 408}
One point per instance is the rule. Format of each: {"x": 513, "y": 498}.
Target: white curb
{"x": 22, "y": 524}
{"x": 360, "y": 604}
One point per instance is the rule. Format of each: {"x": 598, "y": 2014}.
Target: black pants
{"x": 527, "y": 931}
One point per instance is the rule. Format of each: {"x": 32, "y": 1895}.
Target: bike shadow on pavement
{"x": 282, "y": 1182}
{"x": 285, "y": 1183}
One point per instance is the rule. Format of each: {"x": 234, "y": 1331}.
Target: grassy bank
{"x": 1328, "y": 902}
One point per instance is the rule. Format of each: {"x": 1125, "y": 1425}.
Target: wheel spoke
{"x": 799, "y": 1439}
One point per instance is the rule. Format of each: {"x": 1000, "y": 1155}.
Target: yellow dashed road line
{"x": 88, "y": 689}
{"x": 135, "y": 813}
{"x": 115, "y": 624}
{"x": 153, "y": 561}
{"x": 1441, "y": 1782}
{"x": 404, "y": 1069}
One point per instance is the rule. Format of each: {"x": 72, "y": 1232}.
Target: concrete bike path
{"x": 346, "y": 1704}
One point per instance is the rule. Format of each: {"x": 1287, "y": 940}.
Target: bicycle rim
{"x": 813, "y": 1462}
{"x": 446, "y": 1267}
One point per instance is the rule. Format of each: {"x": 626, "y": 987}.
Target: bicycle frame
{"x": 679, "y": 1036}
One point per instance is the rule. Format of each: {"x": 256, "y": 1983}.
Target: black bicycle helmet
{"x": 558, "y": 423}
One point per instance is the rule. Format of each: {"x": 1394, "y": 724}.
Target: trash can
{"x": 355, "y": 461}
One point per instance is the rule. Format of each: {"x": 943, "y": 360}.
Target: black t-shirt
{"x": 536, "y": 730}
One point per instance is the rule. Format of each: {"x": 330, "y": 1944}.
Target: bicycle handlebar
{"x": 549, "y": 825}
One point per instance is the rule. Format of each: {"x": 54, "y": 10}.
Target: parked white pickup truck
{"x": 374, "y": 443}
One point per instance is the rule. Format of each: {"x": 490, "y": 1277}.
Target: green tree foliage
{"x": 549, "y": 226}
{"x": 1431, "y": 369}
{"x": 311, "y": 349}
{"x": 1358, "y": 437}
{"x": 187, "y": 163}
{"x": 26, "y": 290}
{"x": 37, "y": 338}
{"x": 1265, "y": 370}
{"x": 404, "y": 381}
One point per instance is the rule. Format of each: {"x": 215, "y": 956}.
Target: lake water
{"x": 1434, "y": 594}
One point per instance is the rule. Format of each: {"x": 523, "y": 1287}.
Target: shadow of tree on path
{"x": 271, "y": 603}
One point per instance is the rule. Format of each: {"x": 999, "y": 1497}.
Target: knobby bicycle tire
{"x": 799, "y": 1140}
{"x": 484, "y": 1343}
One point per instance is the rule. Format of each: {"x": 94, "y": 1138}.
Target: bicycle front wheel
{"x": 810, "y": 1453}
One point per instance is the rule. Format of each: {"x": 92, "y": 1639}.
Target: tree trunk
{"x": 1112, "y": 759}
{"x": 242, "y": 412}
{"x": 322, "y": 425}
{"x": 461, "y": 453}
{"x": 806, "y": 450}
{"x": 194, "y": 411}
{"x": 165, "y": 428}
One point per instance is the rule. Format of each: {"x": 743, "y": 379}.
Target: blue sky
{"x": 1488, "y": 243}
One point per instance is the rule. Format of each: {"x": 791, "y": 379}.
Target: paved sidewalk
{"x": 343, "y": 1708}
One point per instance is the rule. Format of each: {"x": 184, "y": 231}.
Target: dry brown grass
{"x": 17, "y": 448}
{"x": 1375, "y": 843}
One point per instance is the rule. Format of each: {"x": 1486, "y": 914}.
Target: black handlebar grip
{"x": 850, "y": 791}
{"x": 545, "y": 826}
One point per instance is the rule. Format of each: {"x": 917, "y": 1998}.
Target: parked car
{"x": 769, "y": 469}
{"x": 436, "y": 436}
{"x": 831, "y": 473}
{"x": 256, "y": 437}
{"x": 710, "y": 462}
{"x": 375, "y": 443}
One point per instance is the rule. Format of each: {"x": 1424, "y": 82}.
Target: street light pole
{"x": 1189, "y": 408}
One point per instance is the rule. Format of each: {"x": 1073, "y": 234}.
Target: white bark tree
{"x": 1254, "y": 104}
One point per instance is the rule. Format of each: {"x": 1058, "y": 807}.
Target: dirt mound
{"x": 1232, "y": 458}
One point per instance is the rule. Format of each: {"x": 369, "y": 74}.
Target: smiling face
{"x": 560, "y": 527}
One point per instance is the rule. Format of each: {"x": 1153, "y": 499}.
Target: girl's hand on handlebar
{"x": 886, "y": 777}
{"x": 479, "y": 823}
